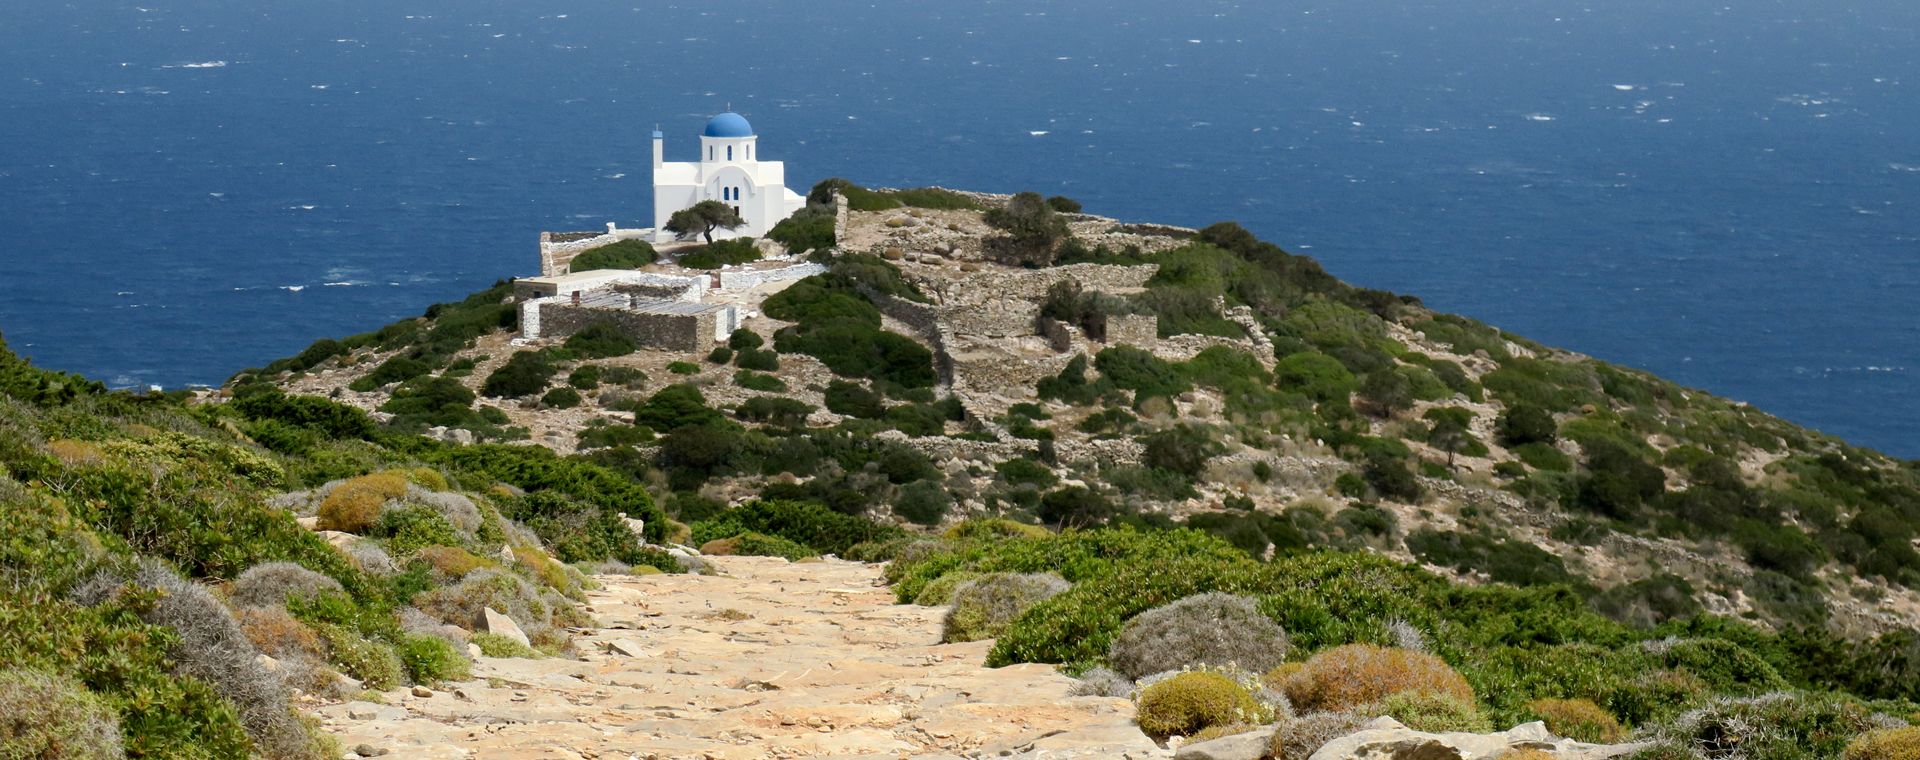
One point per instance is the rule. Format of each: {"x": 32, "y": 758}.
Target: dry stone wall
{"x": 670, "y": 332}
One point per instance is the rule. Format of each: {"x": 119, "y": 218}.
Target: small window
{"x": 729, "y": 153}
{"x": 709, "y": 153}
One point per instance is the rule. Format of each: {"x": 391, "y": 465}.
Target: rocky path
{"x": 767, "y": 660}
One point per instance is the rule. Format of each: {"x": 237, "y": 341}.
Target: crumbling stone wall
{"x": 670, "y": 332}
{"x": 557, "y": 249}
{"x": 1137, "y": 330}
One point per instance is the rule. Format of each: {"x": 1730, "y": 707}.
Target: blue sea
{"x": 1726, "y": 193}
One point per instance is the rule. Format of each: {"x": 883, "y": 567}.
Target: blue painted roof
{"x": 728, "y": 124}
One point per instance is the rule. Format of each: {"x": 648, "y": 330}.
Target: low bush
{"x": 758, "y": 359}
{"x": 721, "y": 253}
{"x": 524, "y": 374}
{"x": 1578, "y": 719}
{"x": 1780, "y": 725}
{"x": 1205, "y": 629}
{"x": 496, "y": 645}
{"x": 809, "y": 229}
{"x": 354, "y": 505}
{"x": 625, "y": 254}
{"x": 562, "y": 397}
{"x": 1885, "y": 744}
{"x": 430, "y": 659}
{"x": 408, "y": 529}
{"x": 1352, "y": 675}
{"x": 1434, "y": 713}
{"x": 939, "y": 593}
{"x": 983, "y": 607}
{"x": 270, "y": 584}
{"x": 1101, "y": 682}
{"x": 806, "y": 523}
{"x": 1297, "y": 738}
{"x": 47, "y": 716}
{"x": 1188, "y": 703}
{"x": 278, "y": 634}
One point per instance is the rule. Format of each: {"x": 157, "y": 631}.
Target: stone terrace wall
{"x": 750, "y": 278}
{"x": 557, "y": 249}
{"x": 671, "y": 332}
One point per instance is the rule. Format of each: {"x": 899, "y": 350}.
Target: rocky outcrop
{"x": 1387, "y": 739}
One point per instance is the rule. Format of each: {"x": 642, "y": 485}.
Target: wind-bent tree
{"x": 1033, "y": 228}
{"x": 703, "y": 218}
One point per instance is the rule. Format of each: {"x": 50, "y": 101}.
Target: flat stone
{"x": 501, "y": 625}
{"x": 422, "y": 691}
{"x": 368, "y": 750}
{"x": 627, "y": 647}
{"x": 1251, "y": 745}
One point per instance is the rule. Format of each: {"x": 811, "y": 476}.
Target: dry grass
{"x": 278, "y": 635}
{"x": 47, "y": 716}
{"x": 74, "y": 453}
{"x": 451, "y": 562}
{"x": 353, "y": 506}
{"x": 1349, "y": 676}
{"x": 1298, "y": 738}
{"x": 1577, "y": 719}
{"x": 1886, "y": 744}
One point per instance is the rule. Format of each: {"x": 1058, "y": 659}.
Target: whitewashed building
{"x": 729, "y": 172}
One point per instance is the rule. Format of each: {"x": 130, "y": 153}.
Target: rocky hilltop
{"x": 944, "y": 474}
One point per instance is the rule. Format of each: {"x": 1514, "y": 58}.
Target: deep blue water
{"x": 1725, "y": 193}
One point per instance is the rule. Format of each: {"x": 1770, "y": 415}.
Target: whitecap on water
{"x": 1904, "y": 167}
{"x": 1038, "y": 132}
{"x": 293, "y": 288}
{"x": 1625, "y": 87}
{"x": 200, "y": 65}
{"x": 1539, "y": 117}
{"x": 339, "y": 284}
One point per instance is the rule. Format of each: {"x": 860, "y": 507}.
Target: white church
{"x": 728, "y": 172}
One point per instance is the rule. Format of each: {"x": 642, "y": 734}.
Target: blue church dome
{"x": 728, "y": 124}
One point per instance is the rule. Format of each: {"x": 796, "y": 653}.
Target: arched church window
{"x": 709, "y": 153}
{"x": 729, "y": 153}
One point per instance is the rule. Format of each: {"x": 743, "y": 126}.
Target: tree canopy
{"x": 703, "y": 218}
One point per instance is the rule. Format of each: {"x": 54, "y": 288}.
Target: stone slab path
{"x": 767, "y": 660}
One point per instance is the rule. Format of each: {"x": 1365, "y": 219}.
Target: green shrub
{"x": 1188, "y": 703}
{"x": 1211, "y": 629}
{"x": 1524, "y": 423}
{"x": 922, "y": 503}
{"x": 394, "y": 370}
{"x": 1063, "y": 204}
{"x": 562, "y": 397}
{"x": 409, "y": 529}
{"x": 1315, "y": 375}
{"x": 806, "y": 523}
{"x": 1434, "y": 713}
{"x": 1183, "y": 449}
{"x": 1143, "y": 373}
{"x": 625, "y": 254}
{"x": 1389, "y": 477}
{"x": 983, "y": 607}
{"x": 762, "y": 545}
{"x": 524, "y": 374}
{"x": 720, "y": 254}
{"x": 599, "y": 340}
{"x": 755, "y": 381}
{"x": 720, "y": 355}
{"x": 939, "y": 592}
{"x": 683, "y": 368}
{"x": 1026, "y": 472}
{"x": 1033, "y": 228}
{"x": 430, "y": 659}
{"x": 773, "y": 410}
{"x": 1790, "y": 726}
{"x": 758, "y": 359}
{"x": 496, "y": 645}
{"x": 854, "y": 400}
{"x": 743, "y": 339}
{"x": 48, "y": 716}
{"x": 675, "y": 407}
{"x": 934, "y": 198}
{"x": 809, "y": 229}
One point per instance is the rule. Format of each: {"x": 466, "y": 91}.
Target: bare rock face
{"x": 501, "y": 625}
{"x": 1251, "y": 745}
{"x": 1387, "y": 739}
